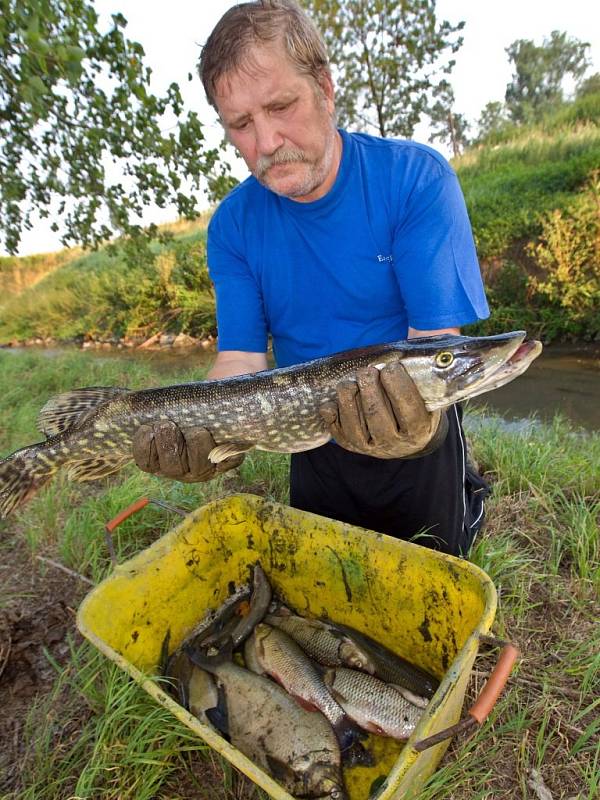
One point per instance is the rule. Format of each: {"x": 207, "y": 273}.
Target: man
{"x": 336, "y": 241}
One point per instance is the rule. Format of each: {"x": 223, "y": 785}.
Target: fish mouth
{"x": 519, "y": 361}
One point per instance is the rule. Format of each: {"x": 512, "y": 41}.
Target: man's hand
{"x": 382, "y": 414}
{"x": 178, "y": 453}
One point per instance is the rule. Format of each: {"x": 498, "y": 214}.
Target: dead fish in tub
{"x": 296, "y": 746}
{"x": 224, "y": 629}
{"x": 376, "y": 706}
{"x": 321, "y": 640}
{"x": 237, "y": 631}
{"x": 278, "y": 655}
{"x": 335, "y": 645}
{"x": 417, "y": 685}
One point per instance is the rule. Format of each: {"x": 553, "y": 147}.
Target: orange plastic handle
{"x": 486, "y": 700}
{"x": 127, "y": 512}
{"x": 495, "y": 683}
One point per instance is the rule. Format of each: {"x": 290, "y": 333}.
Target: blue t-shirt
{"x": 390, "y": 245}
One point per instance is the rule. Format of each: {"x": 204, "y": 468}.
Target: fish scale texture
{"x": 275, "y": 410}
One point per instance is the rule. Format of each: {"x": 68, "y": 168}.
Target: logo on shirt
{"x": 384, "y": 258}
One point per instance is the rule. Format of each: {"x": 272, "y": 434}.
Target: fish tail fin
{"x": 22, "y": 474}
{"x": 352, "y": 750}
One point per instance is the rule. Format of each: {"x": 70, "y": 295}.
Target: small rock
{"x": 183, "y": 340}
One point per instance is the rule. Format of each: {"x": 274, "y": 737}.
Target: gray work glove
{"x": 382, "y": 414}
{"x": 167, "y": 450}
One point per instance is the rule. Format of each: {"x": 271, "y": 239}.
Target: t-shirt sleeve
{"x": 241, "y": 323}
{"x": 435, "y": 258}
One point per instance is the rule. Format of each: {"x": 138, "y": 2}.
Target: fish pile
{"x": 295, "y": 695}
{"x": 90, "y": 431}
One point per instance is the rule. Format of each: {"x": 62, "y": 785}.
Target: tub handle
{"x": 488, "y": 696}
{"x": 140, "y": 503}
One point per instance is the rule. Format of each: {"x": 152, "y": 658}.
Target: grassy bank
{"x": 89, "y": 732}
{"x": 533, "y": 194}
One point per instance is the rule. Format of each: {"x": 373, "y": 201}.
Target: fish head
{"x": 352, "y": 655}
{"x": 328, "y": 788}
{"x": 448, "y": 369}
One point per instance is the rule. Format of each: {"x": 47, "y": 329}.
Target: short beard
{"x": 316, "y": 174}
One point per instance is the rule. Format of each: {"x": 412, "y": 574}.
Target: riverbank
{"x": 77, "y": 726}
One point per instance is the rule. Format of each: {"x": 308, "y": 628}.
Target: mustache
{"x": 283, "y": 156}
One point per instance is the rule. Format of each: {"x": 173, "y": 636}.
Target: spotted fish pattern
{"x": 89, "y": 431}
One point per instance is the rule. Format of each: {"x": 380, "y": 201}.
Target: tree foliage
{"x": 493, "y": 118}
{"x": 589, "y": 86}
{"x": 539, "y": 73}
{"x": 447, "y": 125}
{"x": 81, "y": 132}
{"x": 385, "y": 55}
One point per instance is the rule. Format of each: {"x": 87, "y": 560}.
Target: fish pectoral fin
{"x": 415, "y": 699}
{"x": 91, "y": 469}
{"x": 219, "y": 716}
{"x": 227, "y": 450}
{"x": 64, "y": 410}
{"x": 281, "y": 771}
{"x": 304, "y": 703}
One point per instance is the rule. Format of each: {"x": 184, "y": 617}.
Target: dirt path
{"x": 37, "y": 610}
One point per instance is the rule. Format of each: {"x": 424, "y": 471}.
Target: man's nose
{"x": 268, "y": 137}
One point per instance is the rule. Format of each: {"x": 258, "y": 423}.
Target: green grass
{"x": 99, "y": 735}
{"x": 508, "y": 186}
{"x": 99, "y": 296}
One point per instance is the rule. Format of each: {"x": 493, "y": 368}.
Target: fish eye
{"x": 444, "y": 359}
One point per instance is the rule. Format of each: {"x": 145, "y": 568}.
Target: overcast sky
{"x": 172, "y": 33}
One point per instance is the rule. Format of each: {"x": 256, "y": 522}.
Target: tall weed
{"x": 568, "y": 252}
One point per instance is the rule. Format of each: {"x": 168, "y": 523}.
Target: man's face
{"x": 282, "y": 124}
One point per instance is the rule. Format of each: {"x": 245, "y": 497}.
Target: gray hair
{"x": 259, "y": 23}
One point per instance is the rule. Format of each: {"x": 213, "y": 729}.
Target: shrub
{"x": 568, "y": 253}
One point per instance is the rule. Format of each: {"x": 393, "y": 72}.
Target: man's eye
{"x": 280, "y": 107}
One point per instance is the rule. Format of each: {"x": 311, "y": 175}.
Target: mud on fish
{"x": 89, "y": 431}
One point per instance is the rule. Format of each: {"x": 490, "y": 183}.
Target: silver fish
{"x": 238, "y": 629}
{"x": 89, "y": 431}
{"x": 202, "y": 694}
{"x": 280, "y": 657}
{"x": 416, "y": 684}
{"x": 322, "y": 640}
{"x": 374, "y": 705}
{"x": 297, "y": 747}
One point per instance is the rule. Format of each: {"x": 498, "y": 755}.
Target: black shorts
{"x": 437, "y": 498}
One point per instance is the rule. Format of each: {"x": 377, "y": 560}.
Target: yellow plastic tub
{"x": 428, "y": 607}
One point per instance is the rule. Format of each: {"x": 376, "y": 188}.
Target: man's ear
{"x": 325, "y": 81}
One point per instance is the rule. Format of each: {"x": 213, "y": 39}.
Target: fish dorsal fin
{"x": 64, "y": 410}
{"x": 223, "y": 451}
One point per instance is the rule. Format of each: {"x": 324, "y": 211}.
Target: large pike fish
{"x": 89, "y": 431}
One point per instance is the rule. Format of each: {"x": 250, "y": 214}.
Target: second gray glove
{"x": 382, "y": 414}
{"x": 181, "y": 454}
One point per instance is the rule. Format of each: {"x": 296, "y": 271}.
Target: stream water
{"x": 562, "y": 381}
